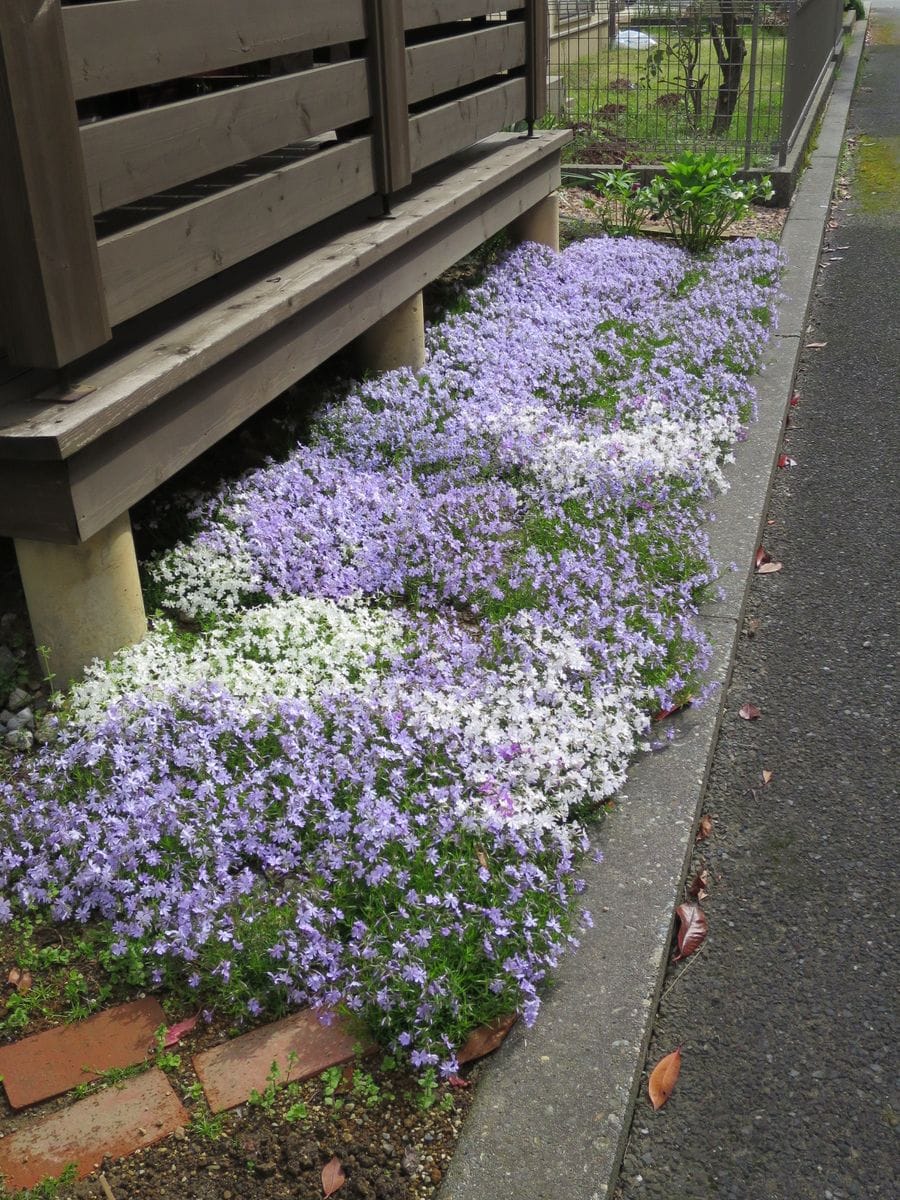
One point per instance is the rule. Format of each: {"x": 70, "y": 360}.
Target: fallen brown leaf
{"x": 22, "y": 981}
{"x": 767, "y": 776}
{"x": 769, "y": 568}
{"x": 670, "y": 712}
{"x": 333, "y": 1176}
{"x": 699, "y": 885}
{"x": 176, "y": 1032}
{"x": 816, "y": 345}
{"x": 749, "y": 712}
{"x": 795, "y": 399}
{"x": 704, "y": 829}
{"x": 762, "y": 556}
{"x": 663, "y": 1078}
{"x": 485, "y": 1039}
{"x": 753, "y": 626}
{"x": 785, "y": 460}
{"x": 692, "y": 929}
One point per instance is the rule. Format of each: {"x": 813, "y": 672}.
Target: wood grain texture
{"x": 454, "y": 62}
{"x": 126, "y": 43}
{"x": 390, "y": 106}
{"x": 453, "y": 126}
{"x": 144, "y": 152}
{"x": 420, "y": 13}
{"x": 150, "y": 262}
{"x": 54, "y": 310}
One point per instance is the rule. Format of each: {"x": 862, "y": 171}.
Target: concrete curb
{"x": 553, "y": 1110}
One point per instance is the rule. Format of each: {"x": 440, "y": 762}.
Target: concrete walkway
{"x": 788, "y": 1020}
{"x": 785, "y": 1016}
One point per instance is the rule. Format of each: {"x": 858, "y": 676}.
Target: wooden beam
{"x": 122, "y": 44}
{"x": 54, "y": 310}
{"x": 537, "y": 57}
{"x": 390, "y": 105}
{"x": 152, "y": 261}
{"x": 453, "y": 126}
{"x": 459, "y": 61}
{"x": 420, "y": 13}
{"x": 144, "y": 152}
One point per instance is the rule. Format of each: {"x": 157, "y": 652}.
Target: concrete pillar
{"x": 84, "y": 601}
{"x": 397, "y": 340}
{"x": 539, "y": 224}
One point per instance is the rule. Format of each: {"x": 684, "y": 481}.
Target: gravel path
{"x": 788, "y": 1018}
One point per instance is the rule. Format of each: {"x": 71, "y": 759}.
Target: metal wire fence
{"x": 642, "y": 81}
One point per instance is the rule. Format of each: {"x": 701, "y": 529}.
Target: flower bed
{"x": 429, "y": 644}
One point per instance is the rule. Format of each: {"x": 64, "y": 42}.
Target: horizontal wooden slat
{"x": 126, "y": 383}
{"x": 418, "y": 13}
{"x": 451, "y": 127}
{"x": 145, "y": 152}
{"x": 128, "y": 43}
{"x": 460, "y": 61}
{"x": 153, "y": 261}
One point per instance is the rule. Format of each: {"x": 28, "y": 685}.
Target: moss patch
{"x": 878, "y": 174}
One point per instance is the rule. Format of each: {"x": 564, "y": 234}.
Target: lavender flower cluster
{"x": 503, "y": 554}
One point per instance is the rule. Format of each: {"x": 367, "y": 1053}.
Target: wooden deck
{"x": 77, "y": 452}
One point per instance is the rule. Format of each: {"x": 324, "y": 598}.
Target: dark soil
{"x": 388, "y": 1146}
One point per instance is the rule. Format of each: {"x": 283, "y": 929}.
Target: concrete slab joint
{"x": 84, "y": 601}
{"x": 397, "y": 340}
{"x": 539, "y": 223}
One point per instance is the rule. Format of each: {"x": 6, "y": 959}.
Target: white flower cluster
{"x": 291, "y": 650}
{"x": 535, "y": 733}
{"x": 202, "y": 581}
{"x": 660, "y": 446}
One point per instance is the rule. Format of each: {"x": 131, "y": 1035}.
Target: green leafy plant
{"x": 332, "y": 1078}
{"x": 206, "y": 1126}
{"x": 296, "y": 1112}
{"x": 699, "y": 197}
{"x": 623, "y": 204}
{"x": 266, "y": 1098}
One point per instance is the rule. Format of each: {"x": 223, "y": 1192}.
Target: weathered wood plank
{"x": 157, "y": 259}
{"x": 453, "y": 126}
{"x": 119, "y": 469}
{"x": 36, "y": 501}
{"x": 145, "y": 152}
{"x": 129, "y": 383}
{"x": 390, "y": 106}
{"x": 126, "y": 43}
{"x": 537, "y": 27}
{"x": 54, "y": 309}
{"x": 454, "y": 62}
{"x": 419, "y": 13}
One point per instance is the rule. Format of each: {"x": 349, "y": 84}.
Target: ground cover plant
{"x": 401, "y": 668}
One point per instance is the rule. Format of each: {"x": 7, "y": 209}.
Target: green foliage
{"x": 856, "y": 6}
{"x": 699, "y": 198}
{"x": 48, "y": 1188}
{"x": 625, "y": 205}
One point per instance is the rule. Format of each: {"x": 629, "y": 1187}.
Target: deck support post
{"x": 84, "y": 601}
{"x": 539, "y": 224}
{"x": 397, "y": 340}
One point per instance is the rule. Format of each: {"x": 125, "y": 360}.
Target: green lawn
{"x": 610, "y": 94}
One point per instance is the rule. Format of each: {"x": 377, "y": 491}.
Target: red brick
{"x": 230, "y": 1072}
{"x": 115, "y": 1122}
{"x": 50, "y": 1063}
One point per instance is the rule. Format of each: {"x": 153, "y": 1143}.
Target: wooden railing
{"x": 146, "y": 145}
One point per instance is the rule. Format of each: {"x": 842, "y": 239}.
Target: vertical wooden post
{"x": 537, "y": 36}
{"x": 387, "y": 85}
{"x": 55, "y": 310}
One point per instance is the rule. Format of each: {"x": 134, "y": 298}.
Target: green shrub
{"x": 699, "y": 197}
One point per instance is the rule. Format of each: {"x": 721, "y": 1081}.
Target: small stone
{"x": 180, "y": 1134}
{"x": 6, "y": 716}
{"x": 436, "y": 1175}
{"x": 24, "y": 719}
{"x": 266, "y": 1169}
{"x": 17, "y": 699}
{"x": 20, "y": 739}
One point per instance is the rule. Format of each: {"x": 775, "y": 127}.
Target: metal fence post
{"x": 751, "y": 92}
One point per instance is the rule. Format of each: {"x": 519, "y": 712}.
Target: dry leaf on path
{"x": 769, "y": 568}
{"x": 816, "y": 345}
{"x": 795, "y": 399}
{"x": 704, "y": 829}
{"x": 767, "y": 776}
{"x": 663, "y": 1078}
{"x": 692, "y": 930}
{"x": 333, "y": 1176}
{"x": 749, "y": 712}
{"x": 785, "y": 460}
{"x": 762, "y": 556}
{"x": 699, "y": 885}
{"x": 175, "y": 1033}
